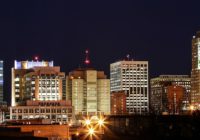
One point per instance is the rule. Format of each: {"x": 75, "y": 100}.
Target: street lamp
{"x": 91, "y": 131}
{"x": 87, "y": 122}
{"x": 101, "y": 122}
{"x": 191, "y": 107}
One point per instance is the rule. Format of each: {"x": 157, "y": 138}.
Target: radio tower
{"x": 87, "y": 60}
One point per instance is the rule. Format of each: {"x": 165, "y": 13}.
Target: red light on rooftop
{"x": 87, "y": 60}
{"x": 36, "y": 58}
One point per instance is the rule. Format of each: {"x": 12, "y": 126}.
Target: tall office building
{"x": 1, "y": 82}
{"x": 19, "y": 80}
{"x": 159, "y": 102}
{"x": 37, "y": 92}
{"x": 89, "y": 91}
{"x": 195, "y": 73}
{"x": 131, "y": 77}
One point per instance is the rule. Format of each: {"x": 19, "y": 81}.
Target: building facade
{"x": 159, "y": 93}
{"x": 175, "y": 98}
{"x": 89, "y": 91}
{"x": 132, "y": 77}
{"x": 1, "y": 82}
{"x": 56, "y": 111}
{"x": 44, "y": 83}
{"x": 37, "y": 93}
{"x": 195, "y": 72}
{"x": 19, "y": 72}
{"x": 118, "y": 103}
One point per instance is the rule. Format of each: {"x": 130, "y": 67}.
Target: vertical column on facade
{"x": 56, "y": 112}
{"x": 50, "y": 113}
{"x": 17, "y": 114}
{"x": 11, "y": 113}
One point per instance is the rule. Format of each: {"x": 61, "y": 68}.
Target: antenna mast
{"x": 87, "y": 60}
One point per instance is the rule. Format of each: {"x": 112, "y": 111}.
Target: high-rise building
{"x": 131, "y": 77}
{"x": 159, "y": 92}
{"x": 89, "y": 91}
{"x": 195, "y": 73}
{"x": 1, "y": 82}
{"x": 37, "y": 92}
{"x": 19, "y": 79}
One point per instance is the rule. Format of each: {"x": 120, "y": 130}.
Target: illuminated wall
{"x": 1, "y": 81}
{"x": 89, "y": 91}
{"x": 198, "y": 47}
{"x": 195, "y": 72}
{"x": 131, "y": 77}
{"x": 20, "y": 69}
{"x": 31, "y": 64}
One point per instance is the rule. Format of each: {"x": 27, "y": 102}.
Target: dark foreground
{"x": 153, "y": 127}
{"x": 141, "y": 128}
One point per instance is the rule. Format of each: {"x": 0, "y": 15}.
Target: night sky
{"x": 159, "y": 31}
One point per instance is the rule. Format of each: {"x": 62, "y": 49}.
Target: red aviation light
{"x": 87, "y": 61}
{"x": 36, "y": 58}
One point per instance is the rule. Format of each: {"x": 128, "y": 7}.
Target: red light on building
{"x": 86, "y": 51}
{"x": 87, "y": 60}
{"x": 36, "y": 58}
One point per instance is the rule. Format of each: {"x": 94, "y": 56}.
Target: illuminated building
{"x": 131, "y": 77}
{"x": 89, "y": 91}
{"x": 19, "y": 72}
{"x": 44, "y": 83}
{"x": 1, "y": 82}
{"x": 56, "y": 111}
{"x": 118, "y": 103}
{"x": 159, "y": 93}
{"x": 37, "y": 92}
{"x": 195, "y": 73}
{"x": 3, "y": 112}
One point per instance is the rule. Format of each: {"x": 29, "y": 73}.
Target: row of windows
{"x": 132, "y": 65}
{"x": 137, "y": 110}
{"x": 41, "y": 110}
{"x": 58, "y": 117}
{"x": 137, "y": 104}
{"x": 48, "y": 82}
{"x": 48, "y": 91}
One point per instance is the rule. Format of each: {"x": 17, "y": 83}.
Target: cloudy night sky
{"x": 60, "y": 30}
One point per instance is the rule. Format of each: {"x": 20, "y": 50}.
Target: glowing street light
{"x": 101, "y": 122}
{"x": 91, "y": 131}
{"x": 191, "y": 107}
{"x": 87, "y": 122}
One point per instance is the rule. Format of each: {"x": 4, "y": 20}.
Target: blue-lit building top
{"x": 1, "y": 81}
{"x": 31, "y": 64}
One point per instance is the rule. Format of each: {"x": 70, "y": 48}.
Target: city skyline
{"x": 158, "y": 32}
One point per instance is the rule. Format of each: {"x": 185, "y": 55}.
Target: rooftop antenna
{"x": 87, "y": 60}
{"x": 128, "y": 57}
